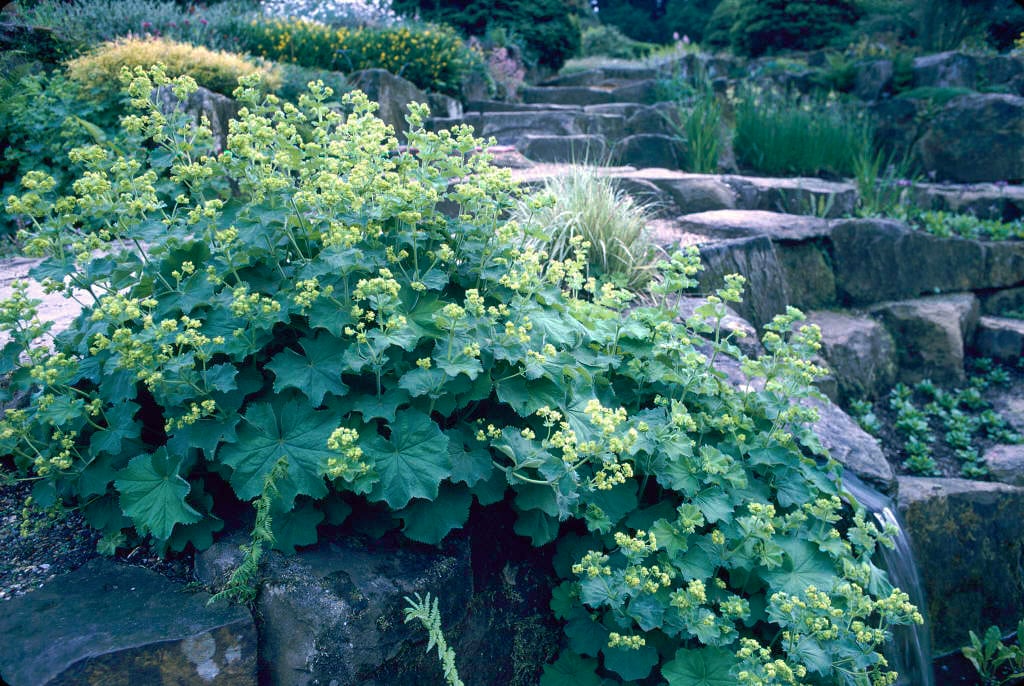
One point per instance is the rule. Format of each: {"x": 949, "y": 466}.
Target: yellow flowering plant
{"x": 320, "y": 330}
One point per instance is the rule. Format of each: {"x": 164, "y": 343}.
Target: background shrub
{"x": 606, "y": 40}
{"x": 656, "y": 21}
{"x": 771, "y": 25}
{"x": 548, "y": 29}
{"x": 216, "y": 70}
{"x": 432, "y": 57}
{"x": 84, "y": 23}
{"x": 352, "y": 13}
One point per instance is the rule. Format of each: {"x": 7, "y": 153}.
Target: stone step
{"x": 643, "y": 92}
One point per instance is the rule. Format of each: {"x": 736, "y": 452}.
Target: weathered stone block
{"x": 392, "y": 92}
{"x": 860, "y": 352}
{"x": 851, "y": 446}
{"x": 967, "y": 541}
{"x": 578, "y": 149}
{"x": 1006, "y": 463}
{"x": 929, "y": 334}
{"x": 756, "y": 259}
{"x": 650, "y": 150}
{"x": 108, "y": 623}
{"x": 1000, "y": 338}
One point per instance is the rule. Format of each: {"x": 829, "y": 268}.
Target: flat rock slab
{"x": 107, "y": 623}
{"x": 804, "y": 196}
{"x": 755, "y": 258}
{"x": 967, "y": 542}
{"x": 859, "y": 351}
{"x": 1006, "y": 463}
{"x": 774, "y": 225}
{"x": 984, "y": 200}
{"x": 930, "y": 335}
{"x": 1000, "y": 338}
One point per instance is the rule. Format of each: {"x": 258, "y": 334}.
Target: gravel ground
{"x": 36, "y": 546}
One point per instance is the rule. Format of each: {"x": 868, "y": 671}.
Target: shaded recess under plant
{"x": 320, "y": 339}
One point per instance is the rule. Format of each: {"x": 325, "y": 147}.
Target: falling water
{"x": 909, "y": 652}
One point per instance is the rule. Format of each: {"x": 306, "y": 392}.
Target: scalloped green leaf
{"x": 700, "y": 667}
{"x": 802, "y": 566}
{"x": 631, "y": 664}
{"x": 412, "y": 463}
{"x": 429, "y": 521}
{"x": 153, "y": 494}
{"x": 570, "y": 670}
{"x": 268, "y": 432}
{"x": 316, "y": 372}
{"x": 295, "y": 527}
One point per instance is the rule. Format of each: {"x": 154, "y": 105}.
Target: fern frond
{"x": 429, "y": 614}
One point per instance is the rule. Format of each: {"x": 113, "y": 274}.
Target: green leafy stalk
{"x": 241, "y": 587}
{"x": 429, "y": 615}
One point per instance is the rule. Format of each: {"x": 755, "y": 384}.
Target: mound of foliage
{"x": 549, "y": 29}
{"x": 432, "y": 57}
{"x": 318, "y": 337}
{"x": 756, "y": 27}
{"x": 219, "y": 71}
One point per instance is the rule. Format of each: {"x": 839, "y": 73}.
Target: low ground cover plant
{"x": 997, "y": 662}
{"x": 930, "y": 421}
{"x": 318, "y": 338}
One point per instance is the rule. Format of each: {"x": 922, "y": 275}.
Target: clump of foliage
{"x": 946, "y": 224}
{"x": 219, "y": 71}
{"x": 321, "y": 316}
{"x": 584, "y": 210}
{"x": 605, "y": 40}
{"x": 928, "y": 417}
{"x": 996, "y": 662}
{"x": 882, "y": 182}
{"x": 43, "y": 117}
{"x": 778, "y": 135}
{"x": 765, "y": 26}
{"x": 657, "y": 22}
{"x": 82, "y": 24}
{"x": 432, "y": 57}
{"x": 549, "y": 29}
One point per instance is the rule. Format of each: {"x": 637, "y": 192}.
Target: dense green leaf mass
{"x": 354, "y": 327}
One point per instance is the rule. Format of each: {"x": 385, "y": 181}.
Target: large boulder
{"x": 929, "y": 334}
{"x": 109, "y": 623}
{"x": 1000, "y": 338}
{"x": 873, "y": 78}
{"x": 946, "y": 70}
{"x": 333, "y": 613}
{"x": 859, "y": 351}
{"x": 393, "y": 93}
{"x": 993, "y": 151}
{"x": 799, "y": 244}
{"x": 851, "y": 446}
{"x": 968, "y": 543}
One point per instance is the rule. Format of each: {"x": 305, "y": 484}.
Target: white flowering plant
{"x": 350, "y": 324}
{"x": 351, "y": 13}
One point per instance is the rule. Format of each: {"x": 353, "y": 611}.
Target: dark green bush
{"x": 656, "y": 21}
{"x": 718, "y": 30}
{"x": 764, "y": 26}
{"x": 320, "y": 338}
{"x": 549, "y": 29}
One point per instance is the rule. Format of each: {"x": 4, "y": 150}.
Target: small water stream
{"x": 910, "y": 651}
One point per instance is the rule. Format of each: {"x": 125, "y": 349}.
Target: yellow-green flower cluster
{"x": 348, "y": 464}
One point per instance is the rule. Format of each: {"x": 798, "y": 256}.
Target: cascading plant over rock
{"x": 318, "y": 337}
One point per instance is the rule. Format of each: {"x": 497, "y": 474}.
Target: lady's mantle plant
{"x": 318, "y": 335}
